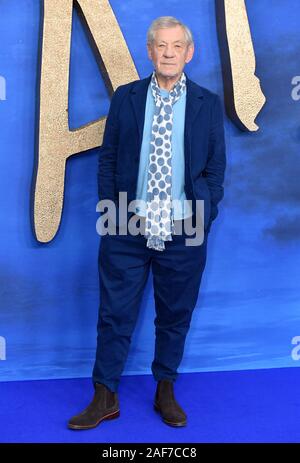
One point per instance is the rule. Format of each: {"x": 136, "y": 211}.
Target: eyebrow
{"x": 175, "y": 41}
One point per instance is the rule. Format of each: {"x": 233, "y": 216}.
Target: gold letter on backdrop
{"x": 56, "y": 142}
{"x": 243, "y": 95}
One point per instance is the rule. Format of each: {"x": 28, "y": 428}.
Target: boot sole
{"x": 170, "y": 423}
{"x": 110, "y": 416}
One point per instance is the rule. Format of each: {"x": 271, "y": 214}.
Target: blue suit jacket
{"x": 204, "y": 145}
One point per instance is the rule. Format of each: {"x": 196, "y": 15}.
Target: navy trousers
{"x": 124, "y": 265}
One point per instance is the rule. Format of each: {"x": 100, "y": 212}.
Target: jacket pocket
{"x": 202, "y": 192}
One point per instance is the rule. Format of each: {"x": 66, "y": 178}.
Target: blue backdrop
{"x": 248, "y": 306}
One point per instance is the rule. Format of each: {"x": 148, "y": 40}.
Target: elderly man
{"x": 163, "y": 141}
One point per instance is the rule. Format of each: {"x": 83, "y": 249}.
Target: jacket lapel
{"x": 138, "y": 96}
{"x": 194, "y": 100}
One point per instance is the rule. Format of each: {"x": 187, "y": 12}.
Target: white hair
{"x": 165, "y": 22}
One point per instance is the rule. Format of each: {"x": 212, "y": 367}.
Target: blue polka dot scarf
{"x": 159, "y": 223}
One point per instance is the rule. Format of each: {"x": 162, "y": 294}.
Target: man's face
{"x": 169, "y": 51}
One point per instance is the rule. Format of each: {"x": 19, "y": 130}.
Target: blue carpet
{"x": 236, "y": 406}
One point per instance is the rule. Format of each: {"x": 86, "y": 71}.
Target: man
{"x": 164, "y": 138}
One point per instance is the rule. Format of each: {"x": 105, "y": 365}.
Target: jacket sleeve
{"x": 215, "y": 167}
{"x": 108, "y": 152}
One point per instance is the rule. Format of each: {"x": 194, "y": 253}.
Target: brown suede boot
{"x": 104, "y": 406}
{"x": 166, "y": 404}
